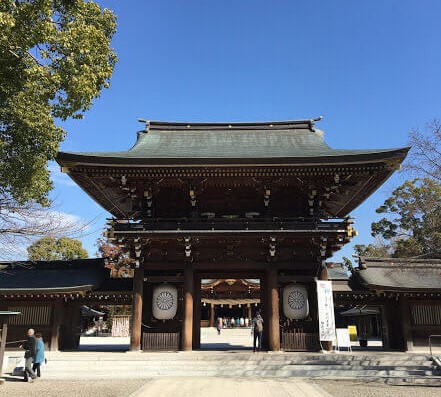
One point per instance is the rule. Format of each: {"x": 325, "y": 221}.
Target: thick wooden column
{"x": 147, "y": 307}
{"x": 385, "y": 327}
{"x": 273, "y": 314}
{"x": 187, "y": 324}
{"x": 138, "y": 284}
{"x": 4, "y": 334}
{"x": 197, "y": 305}
{"x": 406, "y": 316}
{"x": 323, "y": 275}
{"x": 57, "y": 318}
{"x": 72, "y": 325}
{"x": 249, "y": 314}
{"x": 211, "y": 315}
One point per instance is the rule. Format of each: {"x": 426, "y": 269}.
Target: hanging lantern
{"x": 165, "y": 301}
{"x": 295, "y": 301}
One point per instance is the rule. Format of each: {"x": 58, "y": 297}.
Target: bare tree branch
{"x": 20, "y": 224}
{"x": 425, "y": 156}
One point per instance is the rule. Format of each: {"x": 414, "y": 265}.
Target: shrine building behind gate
{"x": 195, "y": 201}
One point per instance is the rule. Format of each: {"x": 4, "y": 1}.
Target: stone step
{"x": 140, "y": 373}
{"x": 199, "y": 366}
{"x": 249, "y": 362}
{"x": 256, "y": 359}
{"x": 90, "y": 365}
{"x": 248, "y": 356}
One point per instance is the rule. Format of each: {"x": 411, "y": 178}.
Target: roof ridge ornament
{"x": 312, "y": 122}
{"x": 260, "y": 125}
{"x": 146, "y": 124}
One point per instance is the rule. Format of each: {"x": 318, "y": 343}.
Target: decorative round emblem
{"x": 296, "y": 300}
{"x": 164, "y": 300}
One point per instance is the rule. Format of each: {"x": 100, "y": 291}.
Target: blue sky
{"x": 371, "y": 68}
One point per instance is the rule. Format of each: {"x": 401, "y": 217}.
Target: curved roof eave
{"x": 123, "y": 159}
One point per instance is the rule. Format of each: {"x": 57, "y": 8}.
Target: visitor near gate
{"x": 30, "y": 347}
{"x": 219, "y": 325}
{"x": 257, "y": 323}
{"x": 39, "y": 354}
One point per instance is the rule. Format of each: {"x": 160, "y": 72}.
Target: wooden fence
{"x": 300, "y": 341}
{"x": 168, "y": 341}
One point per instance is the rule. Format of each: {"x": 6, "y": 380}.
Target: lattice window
{"x": 426, "y": 315}
{"x": 31, "y": 315}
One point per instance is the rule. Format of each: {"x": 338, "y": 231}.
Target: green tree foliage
{"x": 413, "y": 218}
{"x": 372, "y": 250}
{"x": 50, "y": 249}
{"x": 55, "y": 58}
{"x": 377, "y": 250}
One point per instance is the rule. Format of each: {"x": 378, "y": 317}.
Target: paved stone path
{"x": 229, "y": 339}
{"x": 217, "y": 387}
{"x": 221, "y": 387}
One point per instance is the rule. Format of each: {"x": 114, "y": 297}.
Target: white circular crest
{"x": 165, "y": 301}
{"x": 295, "y": 301}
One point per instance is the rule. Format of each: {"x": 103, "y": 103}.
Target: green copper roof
{"x": 400, "y": 274}
{"x": 196, "y": 143}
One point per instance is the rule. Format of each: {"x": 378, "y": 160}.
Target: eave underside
{"x": 170, "y": 185}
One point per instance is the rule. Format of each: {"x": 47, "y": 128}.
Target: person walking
{"x": 257, "y": 323}
{"x": 39, "y": 355}
{"x": 30, "y": 346}
{"x": 219, "y": 325}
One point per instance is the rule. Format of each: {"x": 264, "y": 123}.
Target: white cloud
{"x": 33, "y": 224}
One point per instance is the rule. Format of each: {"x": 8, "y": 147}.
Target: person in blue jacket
{"x": 39, "y": 356}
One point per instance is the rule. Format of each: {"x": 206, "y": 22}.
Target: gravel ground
{"x": 345, "y": 388}
{"x": 123, "y": 388}
{"x": 54, "y": 388}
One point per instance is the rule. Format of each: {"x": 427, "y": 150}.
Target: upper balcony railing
{"x": 230, "y": 224}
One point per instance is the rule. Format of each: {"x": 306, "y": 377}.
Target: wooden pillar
{"x": 76, "y": 324}
{"x": 211, "y": 315}
{"x": 71, "y": 328}
{"x": 323, "y": 275}
{"x": 57, "y": 318}
{"x": 187, "y": 324}
{"x": 4, "y": 335}
{"x": 385, "y": 326}
{"x": 249, "y": 314}
{"x": 405, "y": 307}
{"x": 273, "y": 320}
{"x": 138, "y": 284}
{"x": 147, "y": 307}
{"x": 196, "y": 312}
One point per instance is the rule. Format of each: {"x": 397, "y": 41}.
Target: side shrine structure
{"x": 201, "y": 201}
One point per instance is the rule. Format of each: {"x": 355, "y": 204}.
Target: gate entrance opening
{"x": 227, "y": 307}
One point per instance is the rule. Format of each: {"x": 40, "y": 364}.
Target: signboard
{"x": 353, "y": 333}
{"x": 325, "y": 310}
{"x": 343, "y": 339}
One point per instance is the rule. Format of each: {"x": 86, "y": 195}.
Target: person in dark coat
{"x": 257, "y": 323}
{"x": 39, "y": 356}
{"x": 30, "y": 347}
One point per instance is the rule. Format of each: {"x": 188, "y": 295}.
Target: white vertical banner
{"x": 325, "y": 310}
